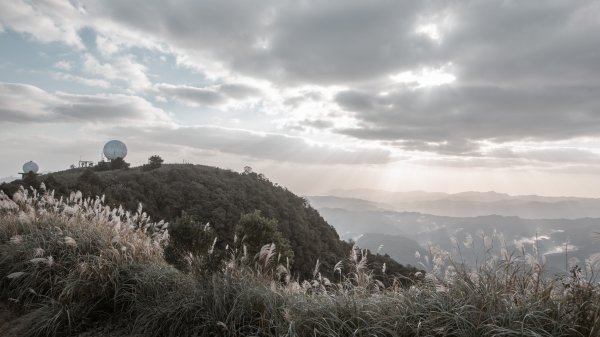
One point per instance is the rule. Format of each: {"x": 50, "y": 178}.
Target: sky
{"x": 398, "y": 95}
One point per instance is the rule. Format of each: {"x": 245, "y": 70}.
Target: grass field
{"x": 77, "y": 267}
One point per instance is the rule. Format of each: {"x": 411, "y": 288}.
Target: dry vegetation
{"x": 78, "y": 267}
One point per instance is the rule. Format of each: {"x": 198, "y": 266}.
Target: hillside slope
{"x": 211, "y": 195}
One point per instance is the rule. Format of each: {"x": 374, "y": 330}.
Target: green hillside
{"x": 216, "y": 196}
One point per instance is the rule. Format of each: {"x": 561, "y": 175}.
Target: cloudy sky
{"x": 398, "y": 95}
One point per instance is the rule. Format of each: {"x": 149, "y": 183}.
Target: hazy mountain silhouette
{"x": 468, "y": 204}
{"x": 358, "y": 219}
{"x": 398, "y": 247}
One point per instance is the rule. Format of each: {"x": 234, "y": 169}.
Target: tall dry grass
{"x": 76, "y": 265}
{"x": 64, "y": 258}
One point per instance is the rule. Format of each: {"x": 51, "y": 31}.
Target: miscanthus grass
{"x": 76, "y": 266}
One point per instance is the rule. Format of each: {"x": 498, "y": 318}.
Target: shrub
{"x": 154, "y": 162}
{"x": 190, "y": 241}
{"x": 118, "y": 164}
{"x": 102, "y": 166}
{"x": 255, "y": 231}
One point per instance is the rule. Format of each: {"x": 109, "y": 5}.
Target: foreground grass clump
{"x": 76, "y": 267}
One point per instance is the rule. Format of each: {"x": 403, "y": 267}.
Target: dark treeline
{"x": 203, "y": 194}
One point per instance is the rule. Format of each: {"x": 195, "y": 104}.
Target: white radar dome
{"x": 115, "y": 149}
{"x": 30, "y": 167}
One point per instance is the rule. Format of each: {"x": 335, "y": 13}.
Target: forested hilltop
{"x": 192, "y": 195}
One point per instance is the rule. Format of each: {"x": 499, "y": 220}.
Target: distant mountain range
{"x": 375, "y": 225}
{"x": 399, "y": 247}
{"x": 467, "y": 204}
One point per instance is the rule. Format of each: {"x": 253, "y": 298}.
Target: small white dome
{"x": 115, "y": 149}
{"x": 30, "y": 166}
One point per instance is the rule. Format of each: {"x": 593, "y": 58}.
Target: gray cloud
{"x": 296, "y": 42}
{"x": 471, "y": 113}
{"x": 192, "y": 95}
{"x": 549, "y": 155}
{"x": 303, "y": 125}
{"x": 345, "y": 41}
{"x": 525, "y": 70}
{"x": 556, "y": 159}
{"x": 297, "y": 100}
{"x": 239, "y": 91}
{"x": 207, "y": 96}
{"x": 22, "y": 103}
{"x": 458, "y": 147}
{"x": 526, "y": 43}
{"x": 317, "y": 123}
{"x": 46, "y": 21}
{"x": 259, "y": 145}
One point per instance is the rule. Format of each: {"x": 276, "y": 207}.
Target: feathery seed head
{"x": 15, "y": 275}
{"x": 16, "y": 239}
{"x": 69, "y": 241}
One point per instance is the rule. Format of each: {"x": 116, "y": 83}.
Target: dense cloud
{"x": 461, "y": 113}
{"x": 23, "y": 103}
{"x": 524, "y": 70}
{"x": 353, "y": 41}
{"x": 26, "y": 104}
{"x": 285, "y": 41}
{"x": 564, "y": 155}
{"x": 268, "y": 146}
{"x": 209, "y": 95}
{"x": 507, "y": 71}
{"x": 47, "y": 21}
